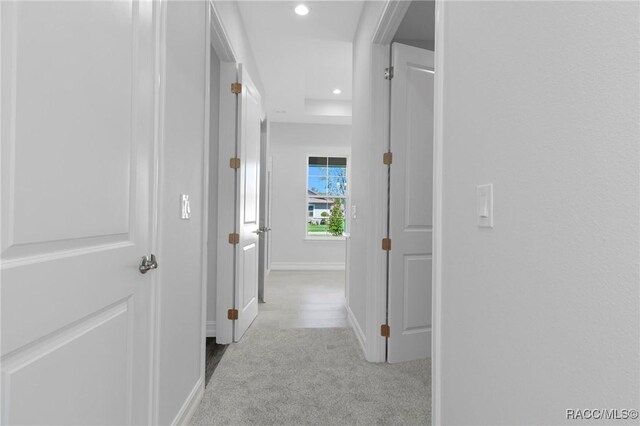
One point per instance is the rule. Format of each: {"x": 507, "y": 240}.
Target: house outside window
{"x": 327, "y": 194}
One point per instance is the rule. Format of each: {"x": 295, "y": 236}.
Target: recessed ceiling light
{"x": 337, "y": 91}
{"x": 301, "y": 9}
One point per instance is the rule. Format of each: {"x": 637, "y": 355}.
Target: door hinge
{"x": 387, "y": 158}
{"x": 386, "y": 244}
{"x": 234, "y": 238}
{"x": 385, "y": 330}
{"x": 232, "y": 314}
{"x": 388, "y": 73}
{"x": 236, "y": 88}
{"x": 234, "y": 163}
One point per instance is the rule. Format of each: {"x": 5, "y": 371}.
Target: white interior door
{"x": 238, "y": 205}
{"x": 248, "y": 213}
{"x": 411, "y": 204}
{"x": 77, "y": 139}
{"x": 267, "y": 220}
{"x": 264, "y": 209}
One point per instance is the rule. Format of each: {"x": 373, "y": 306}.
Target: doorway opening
{"x": 322, "y": 203}
{"x": 308, "y": 167}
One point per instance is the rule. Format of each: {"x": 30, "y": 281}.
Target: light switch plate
{"x": 185, "y": 207}
{"x": 484, "y": 205}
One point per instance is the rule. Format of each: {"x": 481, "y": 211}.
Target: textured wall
{"x": 181, "y": 172}
{"x": 541, "y": 313}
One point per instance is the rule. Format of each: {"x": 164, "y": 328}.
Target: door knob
{"x": 265, "y": 229}
{"x": 147, "y": 263}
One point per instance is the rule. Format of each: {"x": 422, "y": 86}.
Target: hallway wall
{"x": 540, "y": 314}
{"x": 290, "y": 146}
{"x": 179, "y": 341}
{"x": 366, "y": 230}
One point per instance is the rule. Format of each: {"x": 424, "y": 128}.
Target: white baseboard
{"x": 356, "y": 329}
{"x": 302, "y": 266}
{"x": 211, "y": 329}
{"x": 190, "y": 405}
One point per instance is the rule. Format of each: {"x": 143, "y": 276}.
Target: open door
{"x": 265, "y": 209}
{"x": 77, "y": 175}
{"x": 411, "y": 204}
{"x": 238, "y": 205}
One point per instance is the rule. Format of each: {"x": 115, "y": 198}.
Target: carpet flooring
{"x": 312, "y": 376}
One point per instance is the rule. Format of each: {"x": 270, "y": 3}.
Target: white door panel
{"x": 227, "y": 205}
{"x": 249, "y": 111}
{"x": 265, "y": 204}
{"x": 237, "y": 286}
{"x": 411, "y": 204}
{"x": 77, "y": 140}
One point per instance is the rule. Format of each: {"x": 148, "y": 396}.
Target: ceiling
{"x": 302, "y": 59}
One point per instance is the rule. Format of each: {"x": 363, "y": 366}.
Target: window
{"x": 326, "y": 196}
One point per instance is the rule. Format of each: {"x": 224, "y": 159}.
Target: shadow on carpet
{"x": 213, "y": 355}
{"x": 312, "y": 377}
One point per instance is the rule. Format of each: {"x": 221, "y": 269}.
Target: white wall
{"x": 366, "y": 229}
{"x": 212, "y": 246}
{"x": 290, "y": 145}
{"x": 541, "y": 313}
{"x": 180, "y": 241}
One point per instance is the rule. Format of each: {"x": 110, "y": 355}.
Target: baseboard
{"x": 211, "y": 329}
{"x": 190, "y": 405}
{"x": 301, "y": 266}
{"x": 356, "y": 329}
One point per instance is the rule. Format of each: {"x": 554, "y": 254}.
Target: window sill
{"x": 336, "y": 239}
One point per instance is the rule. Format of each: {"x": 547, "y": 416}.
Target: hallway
{"x": 290, "y": 370}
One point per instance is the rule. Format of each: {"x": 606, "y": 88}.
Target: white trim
{"x": 204, "y": 278}
{"x": 302, "y": 266}
{"x": 356, "y": 328}
{"x": 190, "y": 404}
{"x": 156, "y": 238}
{"x": 438, "y": 188}
{"x": 324, "y": 238}
{"x": 211, "y": 329}
{"x": 390, "y": 21}
{"x": 219, "y": 37}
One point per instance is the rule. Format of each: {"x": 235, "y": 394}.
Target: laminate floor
{"x": 303, "y": 299}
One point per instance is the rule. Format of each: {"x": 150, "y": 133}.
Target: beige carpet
{"x": 312, "y": 376}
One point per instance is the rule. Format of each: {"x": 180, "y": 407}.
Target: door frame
{"x": 388, "y": 23}
{"x": 438, "y": 190}
{"x": 376, "y": 303}
{"x": 156, "y": 235}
